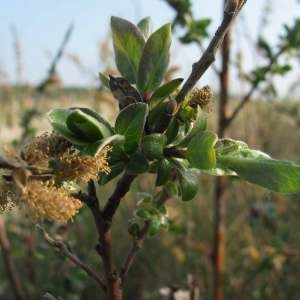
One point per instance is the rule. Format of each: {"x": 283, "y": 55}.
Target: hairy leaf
{"x": 130, "y": 123}
{"x": 188, "y": 184}
{"x": 201, "y": 152}
{"x": 155, "y": 59}
{"x": 145, "y": 25}
{"x": 164, "y": 91}
{"x": 58, "y": 119}
{"x": 128, "y": 46}
{"x": 86, "y": 126}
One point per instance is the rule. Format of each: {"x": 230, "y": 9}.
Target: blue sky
{"x": 41, "y": 24}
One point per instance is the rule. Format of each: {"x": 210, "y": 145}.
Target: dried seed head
{"x": 46, "y": 201}
{"x": 73, "y": 166}
{"x": 202, "y": 97}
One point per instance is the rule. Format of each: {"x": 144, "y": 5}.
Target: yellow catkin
{"x": 7, "y": 197}
{"x": 202, "y": 97}
{"x": 43, "y": 147}
{"x": 46, "y": 201}
{"x": 73, "y": 166}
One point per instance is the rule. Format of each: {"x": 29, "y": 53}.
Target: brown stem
{"x": 132, "y": 254}
{"x": 62, "y": 249}
{"x": 113, "y": 202}
{"x": 175, "y": 152}
{"x": 103, "y": 220}
{"x": 10, "y": 263}
{"x": 209, "y": 55}
{"x": 220, "y": 184}
{"x": 218, "y": 258}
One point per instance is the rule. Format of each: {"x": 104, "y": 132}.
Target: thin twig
{"x": 209, "y": 55}
{"x": 6, "y": 165}
{"x": 139, "y": 240}
{"x": 213, "y": 66}
{"x": 10, "y": 263}
{"x": 135, "y": 248}
{"x": 113, "y": 202}
{"x": 61, "y": 248}
{"x": 52, "y": 69}
{"x": 103, "y": 220}
{"x": 254, "y": 87}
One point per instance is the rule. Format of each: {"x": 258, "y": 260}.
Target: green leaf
{"x": 164, "y": 168}
{"x": 104, "y": 80}
{"x": 188, "y": 184}
{"x": 133, "y": 228}
{"x": 117, "y": 160}
{"x": 130, "y": 123}
{"x": 115, "y": 170}
{"x": 93, "y": 149}
{"x": 143, "y": 213}
{"x": 257, "y": 167}
{"x": 264, "y": 46}
{"x": 137, "y": 164}
{"x": 86, "y": 126}
{"x": 155, "y": 59}
{"x": 153, "y": 146}
{"x": 197, "y": 30}
{"x": 201, "y": 152}
{"x": 145, "y": 25}
{"x": 128, "y": 46}
{"x": 95, "y": 115}
{"x": 155, "y": 226}
{"x": 281, "y": 70}
{"x": 164, "y": 91}
{"x": 172, "y": 130}
{"x": 58, "y": 119}
{"x": 161, "y": 115}
{"x": 197, "y": 127}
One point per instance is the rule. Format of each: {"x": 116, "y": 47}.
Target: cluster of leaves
{"x": 289, "y": 44}
{"x": 155, "y": 134}
{"x": 195, "y": 29}
{"x": 149, "y": 210}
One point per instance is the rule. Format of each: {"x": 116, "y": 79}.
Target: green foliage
{"x": 155, "y": 59}
{"x": 291, "y": 37}
{"x": 145, "y": 25}
{"x": 257, "y": 167}
{"x": 164, "y": 91}
{"x": 201, "y": 152}
{"x": 86, "y": 126}
{"x": 104, "y": 80}
{"x": 137, "y": 164}
{"x": 164, "y": 169}
{"x": 128, "y": 45}
{"x": 188, "y": 184}
{"x": 183, "y": 10}
{"x": 196, "y": 31}
{"x": 148, "y": 210}
{"x": 153, "y": 146}
{"x": 153, "y": 134}
{"x": 265, "y": 47}
{"x": 130, "y": 123}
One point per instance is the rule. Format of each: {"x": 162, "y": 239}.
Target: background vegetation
{"x": 263, "y": 240}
